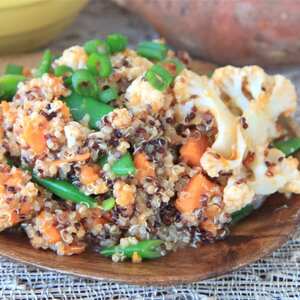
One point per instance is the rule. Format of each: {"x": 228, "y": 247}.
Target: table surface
{"x": 275, "y": 277}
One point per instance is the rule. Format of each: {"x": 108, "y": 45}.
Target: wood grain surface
{"x": 255, "y": 237}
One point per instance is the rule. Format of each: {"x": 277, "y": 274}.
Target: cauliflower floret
{"x": 273, "y": 172}
{"x": 120, "y": 118}
{"x": 129, "y": 64}
{"x": 73, "y": 57}
{"x": 141, "y": 96}
{"x": 258, "y": 97}
{"x": 76, "y": 134}
{"x": 237, "y": 194}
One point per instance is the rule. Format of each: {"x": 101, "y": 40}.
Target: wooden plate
{"x": 255, "y": 237}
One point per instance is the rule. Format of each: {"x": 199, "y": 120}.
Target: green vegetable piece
{"x": 147, "y": 249}
{"x": 109, "y": 94}
{"x": 96, "y": 46}
{"x": 210, "y": 74}
{"x": 13, "y": 69}
{"x": 108, "y": 204}
{"x": 65, "y": 190}
{"x": 81, "y": 106}
{"x": 124, "y": 166}
{"x": 117, "y": 42}
{"x": 45, "y": 64}
{"x": 65, "y": 72}
{"x": 8, "y": 85}
{"x": 152, "y": 50}
{"x": 159, "y": 77}
{"x": 84, "y": 83}
{"x": 99, "y": 65}
{"x": 289, "y": 146}
{"x": 241, "y": 214}
{"x": 102, "y": 160}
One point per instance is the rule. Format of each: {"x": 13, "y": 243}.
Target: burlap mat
{"x": 275, "y": 277}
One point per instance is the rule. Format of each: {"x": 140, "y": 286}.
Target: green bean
{"x": 13, "y": 69}
{"x": 99, "y": 65}
{"x": 147, "y": 249}
{"x": 81, "y": 106}
{"x": 124, "y": 166}
{"x": 85, "y": 84}
{"x": 241, "y": 214}
{"x": 45, "y": 64}
{"x": 116, "y": 42}
{"x": 8, "y": 85}
{"x": 96, "y": 46}
{"x": 109, "y": 94}
{"x": 65, "y": 190}
{"x": 65, "y": 72}
{"x": 108, "y": 204}
{"x": 289, "y": 146}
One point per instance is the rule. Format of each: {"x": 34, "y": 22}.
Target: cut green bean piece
{"x": 117, "y": 42}
{"x": 13, "y": 69}
{"x": 108, "y": 204}
{"x": 124, "y": 166}
{"x": 289, "y": 146}
{"x": 96, "y": 46}
{"x": 8, "y": 85}
{"x": 65, "y": 190}
{"x": 87, "y": 106}
{"x": 45, "y": 64}
{"x": 152, "y": 50}
{"x": 241, "y": 214}
{"x": 147, "y": 249}
{"x": 99, "y": 65}
{"x": 85, "y": 84}
{"x": 109, "y": 94}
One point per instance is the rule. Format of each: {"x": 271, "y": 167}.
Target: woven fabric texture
{"x": 275, "y": 277}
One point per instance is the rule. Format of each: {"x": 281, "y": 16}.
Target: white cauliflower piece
{"x": 141, "y": 96}
{"x": 273, "y": 172}
{"x": 120, "y": 118}
{"x": 75, "y": 134}
{"x": 258, "y": 97}
{"x": 129, "y": 64}
{"x": 237, "y": 194}
{"x": 73, "y": 57}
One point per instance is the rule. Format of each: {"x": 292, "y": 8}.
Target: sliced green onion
{"x": 124, "y": 166}
{"x": 152, "y": 50}
{"x": 159, "y": 77}
{"x": 117, "y": 42}
{"x": 84, "y": 83}
{"x": 45, "y": 64}
{"x": 8, "y": 85}
{"x": 99, "y": 65}
{"x": 96, "y": 46}
{"x": 289, "y": 146}
{"x": 108, "y": 94}
{"x": 13, "y": 69}
{"x": 241, "y": 214}
{"x": 173, "y": 65}
{"x": 108, "y": 204}
{"x": 65, "y": 72}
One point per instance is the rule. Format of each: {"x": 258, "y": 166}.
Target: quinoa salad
{"x": 131, "y": 154}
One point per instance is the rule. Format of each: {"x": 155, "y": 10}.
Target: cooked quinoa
{"x": 201, "y": 150}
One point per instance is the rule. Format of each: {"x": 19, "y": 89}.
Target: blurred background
{"x": 239, "y": 32}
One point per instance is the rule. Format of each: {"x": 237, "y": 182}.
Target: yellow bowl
{"x": 29, "y": 24}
